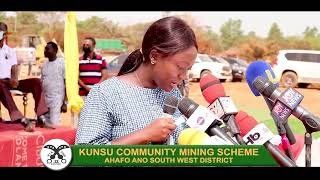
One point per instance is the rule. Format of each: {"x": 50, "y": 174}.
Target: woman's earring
{"x": 153, "y": 61}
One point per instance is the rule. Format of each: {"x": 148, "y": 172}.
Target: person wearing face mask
{"x": 127, "y": 109}
{"x": 9, "y": 80}
{"x": 92, "y": 70}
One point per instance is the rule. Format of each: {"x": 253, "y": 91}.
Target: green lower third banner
{"x": 175, "y": 155}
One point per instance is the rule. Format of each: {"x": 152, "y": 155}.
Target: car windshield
{"x": 237, "y": 61}
{"x": 214, "y": 59}
{"x": 205, "y": 58}
{"x": 221, "y": 60}
{"x": 242, "y": 62}
{"x": 119, "y": 60}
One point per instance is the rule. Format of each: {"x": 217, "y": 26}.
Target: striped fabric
{"x": 90, "y": 71}
{"x": 115, "y": 108}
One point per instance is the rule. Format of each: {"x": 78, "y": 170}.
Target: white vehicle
{"x": 297, "y": 67}
{"x": 26, "y": 55}
{"x": 204, "y": 65}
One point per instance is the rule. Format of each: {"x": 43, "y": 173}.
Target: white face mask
{"x": 1, "y": 35}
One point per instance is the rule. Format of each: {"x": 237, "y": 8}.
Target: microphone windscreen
{"x": 245, "y": 122}
{"x": 187, "y": 106}
{"x": 170, "y": 105}
{"x": 199, "y": 138}
{"x": 186, "y": 135}
{"x": 192, "y": 136}
{"x": 259, "y": 68}
{"x": 211, "y": 88}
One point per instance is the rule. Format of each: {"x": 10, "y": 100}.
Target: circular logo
{"x": 56, "y": 154}
{"x": 200, "y": 120}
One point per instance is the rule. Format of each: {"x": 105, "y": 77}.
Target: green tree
{"x": 214, "y": 37}
{"x": 230, "y": 33}
{"x": 2, "y": 16}
{"x": 133, "y": 35}
{"x": 207, "y": 41}
{"x": 310, "y": 32}
{"x": 26, "y": 18}
{"x": 315, "y": 43}
{"x": 275, "y": 33}
{"x": 312, "y": 37}
{"x": 91, "y": 22}
{"x": 49, "y": 17}
{"x": 100, "y": 27}
{"x": 51, "y": 23}
{"x": 252, "y": 34}
{"x": 252, "y": 49}
{"x": 295, "y": 42}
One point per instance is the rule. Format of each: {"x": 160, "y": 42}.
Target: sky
{"x": 290, "y": 22}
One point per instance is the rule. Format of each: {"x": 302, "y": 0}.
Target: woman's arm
{"x": 157, "y": 131}
{"x": 95, "y": 125}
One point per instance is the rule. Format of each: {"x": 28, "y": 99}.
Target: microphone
{"x": 263, "y": 69}
{"x": 259, "y": 68}
{"x": 291, "y": 99}
{"x": 220, "y": 104}
{"x": 192, "y": 136}
{"x": 201, "y": 118}
{"x": 169, "y": 107}
{"x": 188, "y": 136}
{"x": 259, "y": 134}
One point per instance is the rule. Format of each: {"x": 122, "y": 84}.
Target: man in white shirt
{"x": 53, "y": 83}
{"x": 9, "y": 80}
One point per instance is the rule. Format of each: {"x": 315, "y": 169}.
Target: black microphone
{"x": 170, "y": 105}
{"x": 201, "y": 118}
{"x": 169, "y": 108}
{"x": 291, "y": 99}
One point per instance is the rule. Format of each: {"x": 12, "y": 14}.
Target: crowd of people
{"x": 49, "y": 91}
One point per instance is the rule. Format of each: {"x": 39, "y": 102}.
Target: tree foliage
{"x": 230, "y": 33}
{"x": 2, "y": 16}
{"x": 275, "y": 33}
{"x": 231, "y": 42}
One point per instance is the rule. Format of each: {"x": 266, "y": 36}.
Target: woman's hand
{"x": 160, "y": 129}
{"x": 157, "y": 131}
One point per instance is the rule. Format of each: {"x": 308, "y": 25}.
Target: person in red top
{"x": 92, "y": 68}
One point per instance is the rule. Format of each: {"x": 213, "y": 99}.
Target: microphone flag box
{"x": 287, "y": 102}
{"x": 259, "y": 135}
{"x": 281, "y": 111}
{"x": 223, "y": 106}
{"x": 201, "y": 119}
{"x": 291, "y": 98}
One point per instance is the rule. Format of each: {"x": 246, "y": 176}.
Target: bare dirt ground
{"x": 239, "y": 91}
